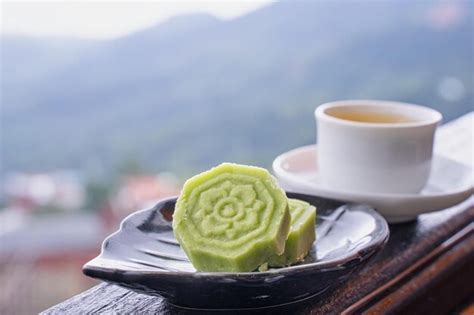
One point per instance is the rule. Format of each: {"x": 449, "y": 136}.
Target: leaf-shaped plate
{"x": 143, "y": 255}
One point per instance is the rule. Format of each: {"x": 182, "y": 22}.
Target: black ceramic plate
{"x": 144, "y": 256}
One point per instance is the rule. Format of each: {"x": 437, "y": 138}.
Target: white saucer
{"x": 450, "y": 183}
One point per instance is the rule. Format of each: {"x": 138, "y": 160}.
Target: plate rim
{"x": 285, "y": 175}
{"x": 379, "y": 240}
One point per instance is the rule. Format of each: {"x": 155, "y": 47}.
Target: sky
{"x": 107, "y": 19}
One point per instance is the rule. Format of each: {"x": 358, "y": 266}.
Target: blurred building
{"x": 61, "y": 190}
{"x": 41, "y": 258}
{"x": 40, "y": 247}
{"x": 142, "y": 191}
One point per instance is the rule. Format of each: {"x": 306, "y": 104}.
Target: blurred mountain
{"x": 195, "y": 91}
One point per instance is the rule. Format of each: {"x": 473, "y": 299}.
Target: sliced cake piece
{"x": 301, "y": 237}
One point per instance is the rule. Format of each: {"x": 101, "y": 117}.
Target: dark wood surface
{"x": 425, "y": 268}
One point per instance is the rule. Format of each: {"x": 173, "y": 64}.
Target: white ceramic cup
{"x": 375, "y": 157}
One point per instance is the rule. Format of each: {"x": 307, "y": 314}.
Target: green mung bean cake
{"x": 232, "y": 218}
{"x": 301, "y": 236}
